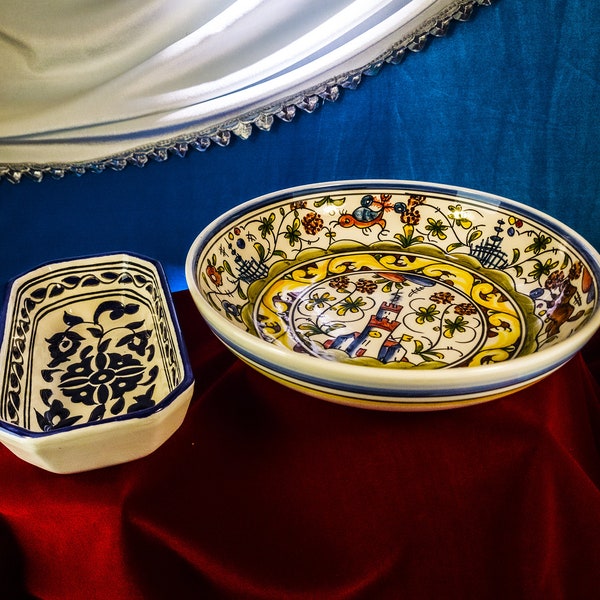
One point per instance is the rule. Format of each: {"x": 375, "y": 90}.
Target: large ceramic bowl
{"x": 94, "y": 368}
{"x": 396, "y": 295}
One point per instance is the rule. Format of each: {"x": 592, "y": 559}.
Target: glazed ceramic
{"x": 94, "y": 367}
{"x": 396, "y": 295}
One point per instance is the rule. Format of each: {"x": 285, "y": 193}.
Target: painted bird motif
{"x": 371, "y": 212}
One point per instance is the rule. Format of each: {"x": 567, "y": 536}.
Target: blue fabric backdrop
{"x": 506, "y": 103}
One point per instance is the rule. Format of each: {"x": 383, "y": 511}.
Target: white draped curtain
{"x": 82, "y": 80}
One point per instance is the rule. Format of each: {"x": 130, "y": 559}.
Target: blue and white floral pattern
{"x": 98, "y": 364}
{"x": 90, "y": 341}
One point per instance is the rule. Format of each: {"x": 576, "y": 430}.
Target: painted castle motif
{"x": 375, "y": 340}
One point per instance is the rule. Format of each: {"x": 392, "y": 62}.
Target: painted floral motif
{"x": 97, "y": 364}
{"x": 87, "y": 340}
{"x": 398, "y": 278}
{"x": 400, "y": 310}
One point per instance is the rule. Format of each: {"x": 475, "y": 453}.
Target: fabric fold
{"x": 85, "y": 82}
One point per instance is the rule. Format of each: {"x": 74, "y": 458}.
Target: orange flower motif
{"x": 214, "y": 275}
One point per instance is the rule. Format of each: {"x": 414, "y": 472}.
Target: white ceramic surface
{"x": 94, "y": 367}
{"x": 396, "y": 295}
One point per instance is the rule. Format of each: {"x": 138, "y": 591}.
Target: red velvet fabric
{"x": 264, "y": 493}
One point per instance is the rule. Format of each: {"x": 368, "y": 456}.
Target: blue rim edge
{"x": 188, "y": 376}
{"x": 392, "y": 394}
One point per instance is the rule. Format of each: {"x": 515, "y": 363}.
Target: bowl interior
{"x": 86, "y": 341}
{"x": 398, "y": 277}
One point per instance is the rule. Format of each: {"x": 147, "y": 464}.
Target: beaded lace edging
{"x": 261, "y": 119}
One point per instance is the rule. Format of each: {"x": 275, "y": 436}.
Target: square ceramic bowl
{"x": 396, "y": 295}
{"x": 94, "y": 367}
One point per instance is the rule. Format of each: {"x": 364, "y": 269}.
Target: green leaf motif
{"x": 227, "y": 267}
{"x": 329, "y": 201}
{"x": 266, "y": 226}
{"x": 454, "y": 246}
{"x": 475, "y": 234}
{"x": 260, "y": 249}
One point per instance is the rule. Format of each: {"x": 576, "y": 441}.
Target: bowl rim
{"x": 187, "y": 376}
{"x": 421, "y": 383}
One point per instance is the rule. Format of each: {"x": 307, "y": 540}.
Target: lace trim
{"x": 262, "y": 119}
